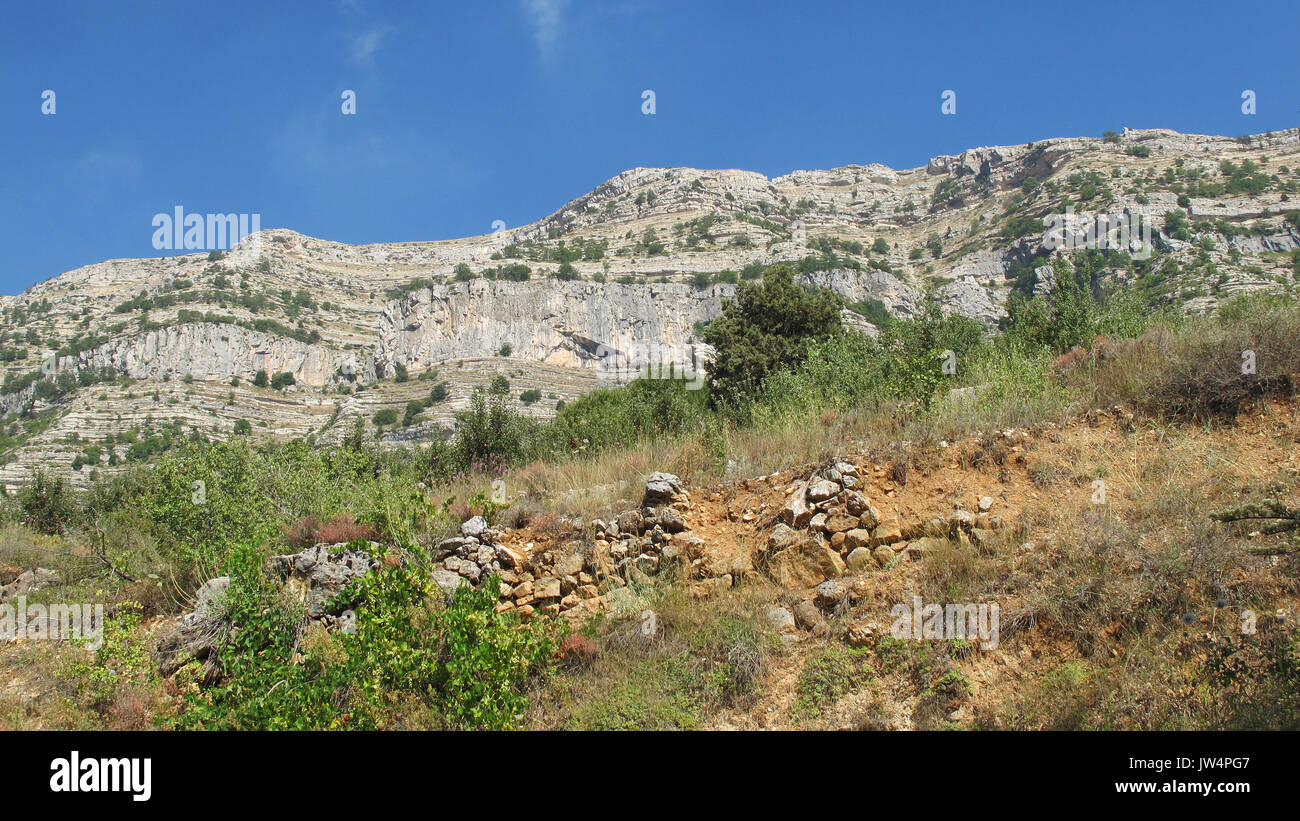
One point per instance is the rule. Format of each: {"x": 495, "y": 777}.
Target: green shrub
{"x": 828, "y": 677}
{"x": 766, "y": 328}
{"x": 412, "y": 659}
{"x": 47, "y": 503}
{"x": 491, "y": 435}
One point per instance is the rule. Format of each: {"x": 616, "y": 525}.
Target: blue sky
{"x": 477, "y": 111}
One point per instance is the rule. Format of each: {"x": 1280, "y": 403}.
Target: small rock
{"x": 547, "y": 588}
{"x": 859, "y": 634}
{"x": 859, "y": 559}
{"x": 662, "y": 489}
{"x": 840, "y": 523}
{"x": 807, "y": 616}
{"x": 855, "y": 503}
{"x": 823, "y": 490}
{"x": 831, "y": 594}
{"x": 474, "y": 526}
{"x": 796, "y": 512}
{"x": 631, "y": 522}
{"x": 856, "y": 538}
{"x": 779, "y": 619}
{"x": 887, "y": 532}
{"x": 447, "y": 580}
{"x": 570, "y": 565}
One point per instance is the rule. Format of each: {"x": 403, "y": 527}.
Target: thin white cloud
{"x": 365, "y": 45}
{"x": 545, "y": 16}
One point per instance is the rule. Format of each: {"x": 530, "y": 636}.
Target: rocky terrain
{"x": 99, "y": 359}
{"x": 824, "y": 551}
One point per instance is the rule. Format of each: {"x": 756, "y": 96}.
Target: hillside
{"x": 1137, "y": 613}
{"x": 108, "y": 364}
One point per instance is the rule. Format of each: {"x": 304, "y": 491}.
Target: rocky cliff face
{"x": 214, "y": 352}
{"x": 557, "y": 323}
{"x": 646, "y": 258}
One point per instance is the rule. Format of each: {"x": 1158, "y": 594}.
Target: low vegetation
{"x": 790, "y": 386}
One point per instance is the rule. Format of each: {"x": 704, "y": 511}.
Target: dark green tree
{"x": 767, "y": 327}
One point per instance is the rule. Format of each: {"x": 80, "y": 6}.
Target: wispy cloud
{"x": 545, "y": 15}
{"x": 363, "y": 47}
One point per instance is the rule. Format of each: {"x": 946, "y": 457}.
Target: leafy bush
{"x": 491, "y": 435}
{"x": 412, "y": 661}
{"x": 764, "y": 329}
{"x": 47, "y": 503}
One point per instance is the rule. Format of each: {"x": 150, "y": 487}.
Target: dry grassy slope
{"x": 853, "y": 203}
{"x": 1105, "y": 586}
{"x": 1150, "y": 552}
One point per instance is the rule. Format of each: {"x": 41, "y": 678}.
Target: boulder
{"x": 841, "y": 523}
{"x": 859, "y": 560}
{"x": 631, "y": 522}
{"x": 927, "y": 545}
{"x": 781, "y": 537}
{"x": 780, "y": 619}
{"x": 822, "y": 490}
{"x": 669, "y": 520}
{"x": 474, "y": 527}
{"x": 857, "y": 537}
{"x": 447, "y": 580}
{"x": 458, "y": 545}
{"x": 663, "y": 489}
{"x": 806, "y": 563}
{"x": 807, "y": 616}
{"x": 856, "y": 503}
{"x": 796, "y": 512}
{"x": 887, "y": 532}
{"x": 547, "y": 588}
{"x": 210, "y": 598}
{"x": 831, "y": 594}
{"x": 570, "y": 565}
